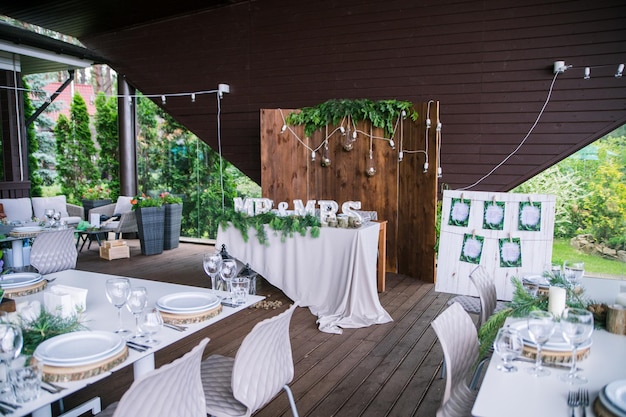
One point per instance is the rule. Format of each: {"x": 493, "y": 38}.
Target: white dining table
{"x": 334, "y": 275}
{"x": 101, "y": 315}
{"x": 521, "y": 394}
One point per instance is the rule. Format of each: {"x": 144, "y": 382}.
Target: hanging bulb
{"x": 439, "y": 126}
{"x": 312, "y": 156}
{"x": 403, "y": 114}
{"x": 425, "y": 167}
{"x": 428, "y": 123}
{"x": 282, "y": 129}
{"x": 347, "y": 144}
{"x": 354, "y": 135}
{"x": 193, "y": 97}
{"x": 163, "y": 100}
{"x": 400, "y": 156}
{"x": 325, "y": 158}
{"x": 371, "y": 169}
{"x": 587, "y": 73}
{"x": 392, "y": 144}
{"x": 439, "y": 172}
{"x": 620, "y": 70}
{"x": 342, "y": 130}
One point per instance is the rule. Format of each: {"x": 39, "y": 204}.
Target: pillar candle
{"x": 556, "y": 300}
{"x": 621, "y": 299}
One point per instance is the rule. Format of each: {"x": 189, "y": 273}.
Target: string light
{"x": 620, "y": 70}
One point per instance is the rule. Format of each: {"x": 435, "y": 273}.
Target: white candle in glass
{"x": 556, "y": 300}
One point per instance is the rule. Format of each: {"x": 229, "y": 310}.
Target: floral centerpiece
{"x": 524, "y": 302}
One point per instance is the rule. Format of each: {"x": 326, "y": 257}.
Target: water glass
{"x": 240, "y": 289}
{"x": 573, "y": 271}
{"x": 136, "y": 303}
{"x": 11, "y": 343}
{"x": 508, "y": 345}
{"x": 26, "y": 380}
{"x": 577, "y": 327}
{"x": 150, "y": 323}
{"x": 117, "y": 292}
{"x": 540, "y": 328}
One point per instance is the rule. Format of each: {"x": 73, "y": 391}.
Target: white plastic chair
{"x": 262, "y": 367}
{"x": 459, "y": 340}
{"x": 486, "y": 303}
{"x": 175, "y": 389}
{"x": 54, "y": 251}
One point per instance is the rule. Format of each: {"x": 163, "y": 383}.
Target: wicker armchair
{"x": 127, "y": 222}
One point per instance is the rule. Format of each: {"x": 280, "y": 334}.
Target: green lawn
{"x": 594, "y": 265}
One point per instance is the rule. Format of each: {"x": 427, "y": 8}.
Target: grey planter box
{"x": 173, "y": 218}
{"x": 150, "y": 225}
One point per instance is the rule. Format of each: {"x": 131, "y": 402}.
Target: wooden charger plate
{"x": 172, "y": 318}
{"x": 28, "y": 290}
{"x": 76, "y": 373}
{"x": 552, "y": 356}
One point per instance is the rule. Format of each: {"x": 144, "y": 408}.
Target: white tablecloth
{"x": 334, "y": 275}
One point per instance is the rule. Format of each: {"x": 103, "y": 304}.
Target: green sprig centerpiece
{"x": 45, "y": 326}
{"x": 287, "y": 226}
{"x": 523, "y": 303}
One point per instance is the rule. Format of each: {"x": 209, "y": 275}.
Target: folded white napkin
{"x": 64, "y": 300}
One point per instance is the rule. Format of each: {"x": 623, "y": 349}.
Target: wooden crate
{"x": 114, "y": 249}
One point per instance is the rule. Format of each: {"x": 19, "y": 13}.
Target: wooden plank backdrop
{"x": 536, "y": 246}
{"x": 399, "y": 191}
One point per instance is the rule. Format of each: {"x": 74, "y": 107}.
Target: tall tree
{"x": 107, "y": 138}
{"x": 33, "y": 174}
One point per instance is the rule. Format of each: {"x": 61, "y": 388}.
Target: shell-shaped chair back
{"x": 459, "y": 340}
{"x": 174, "y": 389}
{"x": 54, "y": 251}
{"x": 486, "y": 292}
{"x": 264, "y": 363}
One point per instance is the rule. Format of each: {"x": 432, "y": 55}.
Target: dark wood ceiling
{"x": 488, "y": 63}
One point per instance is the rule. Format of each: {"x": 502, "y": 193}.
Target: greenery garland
{"x": 523, "y": 303}
{"x": 286, "y": 225}
{"x": 382, "y": 114}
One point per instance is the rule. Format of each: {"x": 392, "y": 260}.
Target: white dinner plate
{"x": 556, "y": 343}
{"x": 27, "y": 229}
{"x": 616, "y": 393}
{"x": 187, "y": 302}
{"x": 609, "y": 405}
{"x": 79, "y": 348}
{"x": 19, "y": 279}
{"x": 538, "y": 280}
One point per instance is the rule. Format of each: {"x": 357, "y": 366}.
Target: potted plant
{"x": 173, "y": 217}
{"x": 96, "y": 196}
{"x": 150, "y": 223}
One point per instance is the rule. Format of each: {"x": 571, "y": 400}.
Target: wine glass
{"x": 56, "y": 217}
{"x": 150, "y": 323}
{"x": 11, "y": 342}
{"x": 49, "y": 213}
{"x": 117, "y": 291}
{"x": 508, "y": 345}
{"x": 577, "y": 326}
{"x": 540, "y": 328}
{"x": 228, "y": 271}
{"x": 573, "y": 271}
{"x": 212, "y": 262}
{"x": 137, "y": 301}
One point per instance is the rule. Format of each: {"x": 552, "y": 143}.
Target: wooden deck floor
{"x": 383, "y": 370}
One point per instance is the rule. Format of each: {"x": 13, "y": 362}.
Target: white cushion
{"x": 71, "y": 220}
{"x": 17, "y": 208}
{"x": 57, "y": 203}
{"x": 123, "y": 205}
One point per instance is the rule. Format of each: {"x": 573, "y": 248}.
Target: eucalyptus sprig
{"x": 286, "y": 225}
{"x": 45, "y": 326}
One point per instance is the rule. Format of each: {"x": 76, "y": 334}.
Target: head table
{"x": 334, "y": 274}
{"x": 101, "y": 315}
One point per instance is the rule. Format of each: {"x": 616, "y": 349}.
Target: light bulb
{"x": 428, "y": 123}
{"x": 439, "y": 126}
{"x": 354, "y": 135}
{"x": 587, "y": 73}
{"x": 425, "y": 166}
{"x": 620, "y": 70}
{"x": 282, "y": 129}
{"x": 342, "y": 130}
{"x": 400, "y": 155}
{"x": 371, "y": 169}
{"x": 193, "y": 97}
{"x": 439, "y": 172}
{"x": 163, "y": 100}
{"x": 392, "y": 144}
{"x": 403, "y": 114}
{"x": 312, "y": 156}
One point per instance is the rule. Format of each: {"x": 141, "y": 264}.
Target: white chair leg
{"x": 294, "y": 411}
